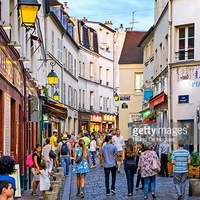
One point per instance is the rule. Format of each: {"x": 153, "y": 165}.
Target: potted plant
{"x": 194, "y": 165}
{"x": 152, "y": 116}
{"x": 169, "y": 164}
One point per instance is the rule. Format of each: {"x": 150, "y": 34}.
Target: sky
{"x": 117, "y": 11}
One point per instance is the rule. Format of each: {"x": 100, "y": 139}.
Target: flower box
{"x": 170, "y": 168}
{"x": 194, "y": 171}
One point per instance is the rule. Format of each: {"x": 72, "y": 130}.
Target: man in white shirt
{"x": 118, "y": 141}
{"x": 45, "y": 155}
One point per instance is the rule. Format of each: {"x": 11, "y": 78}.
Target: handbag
{"x": 155, "y": 166}
{"x": 52, "y": 154}
{"x": 78, "y": 160}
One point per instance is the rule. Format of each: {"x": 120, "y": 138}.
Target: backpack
{"x": 29, "y": 160}
{"x": 64, "y": 148}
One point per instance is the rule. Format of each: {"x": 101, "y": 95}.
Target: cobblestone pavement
{"x": 95, "y": 188}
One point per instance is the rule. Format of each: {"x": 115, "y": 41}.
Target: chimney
{"x": 66, "y": 8}
{"x": 108, "y": 23}
{"x": 84, "y": 19}
{"x": 121, "y": 28}
{"x": 128, "y": 29}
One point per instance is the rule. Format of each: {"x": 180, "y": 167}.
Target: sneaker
{"x": 118, "y": 171}
{"x": 179, "y": 197}
{"x": 113, "y": 191}
{"x": 145, "y": 197}
{"x": 107, "y": 194}
{"x": 130, "y": 194}
{"x": 154, "y": 196}
{"x": 81, "y": 195}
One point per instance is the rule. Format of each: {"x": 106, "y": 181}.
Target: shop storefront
{"x": 54, "y": 115}
{"x": 84, "y": 121}
{"x": 108, "y": 121}
{"x": 95, "y": 122}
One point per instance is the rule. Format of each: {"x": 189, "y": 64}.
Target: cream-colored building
{"x": 130, "y": 82}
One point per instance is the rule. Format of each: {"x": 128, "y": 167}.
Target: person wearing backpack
{"x": 129, "y": 157}
{"x": 64, "y": 149}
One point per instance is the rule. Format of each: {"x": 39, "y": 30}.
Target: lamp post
{"x": 52, "y": 80}
{"x": 28, "y": 11}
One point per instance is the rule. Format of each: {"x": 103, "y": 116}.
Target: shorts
{"x": 119, "y": 156}
{"x": 36, "y": 177}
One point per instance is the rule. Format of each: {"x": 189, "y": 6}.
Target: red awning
{"x": 52, "y": 109}
{"x": 146, "y": 120}
{"x": 157, "y": 100}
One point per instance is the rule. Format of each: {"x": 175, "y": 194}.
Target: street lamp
{"x": 116, "y": 96}
{"x": 56, "y": 96}
{"x": 28, "y": 11}
{"x": 52, "y": 78}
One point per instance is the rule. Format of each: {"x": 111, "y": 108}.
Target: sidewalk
{"x": 64, "y": 192}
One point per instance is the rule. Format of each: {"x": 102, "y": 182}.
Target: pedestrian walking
{"x": 93, "y": 146}
{"x": 54, "y": 144}
{"x": 64, "y": 149}
{"x": 145, "y": 165}
{"x": 140, "y": 149}
{"x": 163, "y": 155}
{"x": 181, "y": 159}
{"x": 7, "y": 167}
{"x": 107, "y": 154}
{"x": 129, "y": 157}
{"x": 6, "y": 190}
{"x": 81, "y": 167}
{"x": 44, "y": 179}
{"x": 35, "y": 169}
{"x": 45, "y": 155}
{"x": 118, "y": 141}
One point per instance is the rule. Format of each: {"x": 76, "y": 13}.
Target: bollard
{"x": 60, "y": 170}
{"x": 59, "y": 178}
{"x": 194, "y": 187}
{"x": 56, "y": 188}
{"x": 49, "y": 195}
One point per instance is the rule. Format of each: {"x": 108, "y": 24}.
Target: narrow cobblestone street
{"x": 95, "y": 188}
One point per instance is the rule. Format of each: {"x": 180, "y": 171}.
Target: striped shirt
{"x": 181, "y": 157}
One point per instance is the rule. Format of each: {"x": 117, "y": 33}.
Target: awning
{"x": 146, "y": 120}
{"x": 157, "y": 100}
{"x": 56, "y": 110}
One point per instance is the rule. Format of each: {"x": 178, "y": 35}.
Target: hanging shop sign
{"x": 148, "y": 95}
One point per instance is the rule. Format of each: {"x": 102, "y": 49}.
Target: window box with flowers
{"x": 152, "y": 116}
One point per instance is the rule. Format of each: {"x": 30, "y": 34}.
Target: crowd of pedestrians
{"x": 109, "y": 147}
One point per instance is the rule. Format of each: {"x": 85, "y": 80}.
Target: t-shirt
{"x": 118, "y": 142}
{"x": 108, "y": 152}
{"x": 181, "y": 157}
{"x": 86, "y": 140}
{"x": 45, "y": 152}
{"x": 93, "y": 145}
{"x": 53, "y": 140}
{"x": 4, "y": 177}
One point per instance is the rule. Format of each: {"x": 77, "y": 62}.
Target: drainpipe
{"x": 169, "y": 67}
